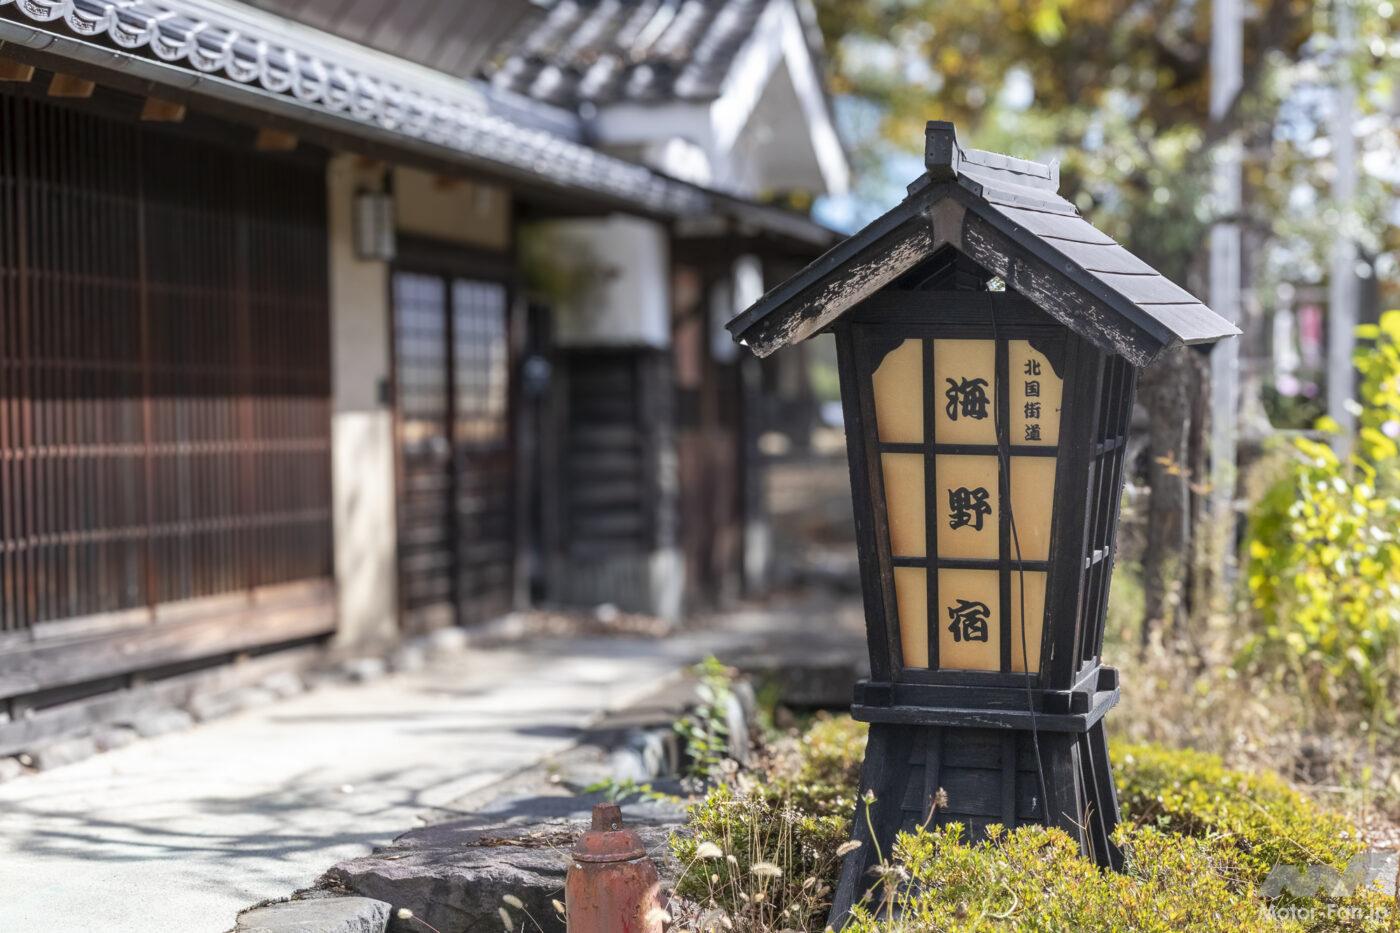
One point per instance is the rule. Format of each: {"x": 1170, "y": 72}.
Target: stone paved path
{"x": 178, "y": 833}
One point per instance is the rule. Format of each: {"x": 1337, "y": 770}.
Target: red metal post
{"x": 612, "y": 886}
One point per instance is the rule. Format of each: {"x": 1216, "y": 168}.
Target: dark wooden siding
{"x": 614, "y": 424}
{"x": 164, "y": 369}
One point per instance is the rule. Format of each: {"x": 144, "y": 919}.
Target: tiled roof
{"x": 226, "y": 53}
{"x": 355, "y": 85}
{"x": 456, "y": 37}
{"x": 1007, "y": 215}
{"x": 604, "y": 51}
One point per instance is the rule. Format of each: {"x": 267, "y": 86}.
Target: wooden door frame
{"x": 425, "y": 256}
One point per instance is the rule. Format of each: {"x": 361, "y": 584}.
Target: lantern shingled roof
{"x": 1005, "y": 214}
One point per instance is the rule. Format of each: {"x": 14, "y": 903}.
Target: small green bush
{"x": 790, "y": 823}
{"x": 1034, "y": 880}
{"x": 1259, "y": 816}
{"x": 829, "y": 757}
{"x": 1255, "y": 820}
{"x": 704, "y": 731}
{"x": 1324, "y": 555}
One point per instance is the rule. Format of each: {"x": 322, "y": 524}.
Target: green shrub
{"x": 1198, "y": 841}
{"x": 790, "y": 823}
{"x": 827, "y": 776}
{"x": 1324, "y": 557}
{"x": 1255, "y": 820}
{"x": 1034, "y": 879}
{"x": 1259, "y": 816}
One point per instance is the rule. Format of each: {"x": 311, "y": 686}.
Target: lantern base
{"x": 989, "y": 775}
{"x": 1001, "y": 707}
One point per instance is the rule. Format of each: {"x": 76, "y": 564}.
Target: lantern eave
{"x": 1004, "y": 214}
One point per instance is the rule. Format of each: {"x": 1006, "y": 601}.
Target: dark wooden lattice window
{"x": 456, "y": 499}
{"x": 1116, "y": 383}
{"x": 164, "y": 370}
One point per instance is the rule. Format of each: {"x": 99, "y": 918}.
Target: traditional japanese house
{"x": 262, "y": 334}
{"x": 658, "y": 500}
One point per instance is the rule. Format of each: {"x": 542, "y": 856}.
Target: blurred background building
{"x": 350, "y": 321}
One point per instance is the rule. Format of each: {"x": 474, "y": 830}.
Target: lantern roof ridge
{"x": 1007, "y": 215}
{"x": 945, "y": 158}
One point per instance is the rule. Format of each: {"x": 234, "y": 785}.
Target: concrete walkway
{"x": 179, "y": 833}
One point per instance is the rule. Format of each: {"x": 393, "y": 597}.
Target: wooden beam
{"x": 11, "y": 70}
{"x": 156, "y": 110}
{"x": 270, "y": 140}
{"x": 64, "y": 85}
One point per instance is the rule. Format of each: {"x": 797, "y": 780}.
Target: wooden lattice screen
{"x": 164, "y": 370}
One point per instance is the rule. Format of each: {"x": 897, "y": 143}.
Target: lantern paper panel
{"x": 964, "y": 391}
{"x": 899, "y": 412}
{"x": 904, "y": 495}
{"x": 1032, "y": 501}
{"x": 969, "y": 516}
{"x": 911, "y": 599}
{"x": 1035, "y": 393}
{"x": 1031, "y": 609}
{"x": 956, "y": 555}
{"x": 969, "y": 620}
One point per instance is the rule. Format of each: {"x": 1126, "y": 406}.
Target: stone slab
{"x": 10, "y": 768}
{"x": 162, "y": 722}
{"x": 319, "y": 915}
{"x": 112, "y": 738}
{"x": 66, "y": 752}
{"x": 455, "y": 875}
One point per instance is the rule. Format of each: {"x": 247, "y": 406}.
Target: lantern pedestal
{"x": 988, "y": 761}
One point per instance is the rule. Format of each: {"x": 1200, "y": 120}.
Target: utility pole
{"x": 1342, "y": 285}
{"x": 1226, "y": 81}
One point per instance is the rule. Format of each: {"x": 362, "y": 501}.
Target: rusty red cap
{"x": 609, "y": 840}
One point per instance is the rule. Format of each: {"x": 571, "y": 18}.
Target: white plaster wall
{"x": 362, "y": 435}
{"x": 455, "y": 210}
{"x": 623, "y": 267}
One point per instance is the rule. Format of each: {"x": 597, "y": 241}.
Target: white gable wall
{"x": 770, "y": 128}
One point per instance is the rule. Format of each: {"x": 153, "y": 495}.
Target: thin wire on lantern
{"x": 1003, "y": 442}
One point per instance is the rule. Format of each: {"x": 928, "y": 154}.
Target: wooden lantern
{"x": 989, "y": 340}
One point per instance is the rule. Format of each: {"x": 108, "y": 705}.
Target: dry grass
{"x": 755, "y": 863}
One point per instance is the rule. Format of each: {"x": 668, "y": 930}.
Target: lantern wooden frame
{"x": 1097, "y": 392}
{"x": 1008, "y": 746}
